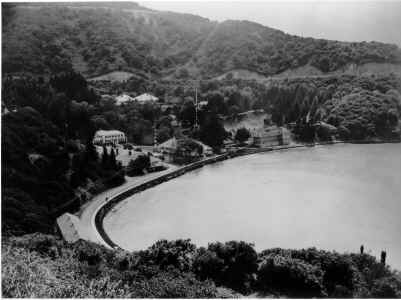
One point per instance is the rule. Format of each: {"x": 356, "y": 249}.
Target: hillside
{"x": 47, "y": 152}
{"x": 96, "y": 39}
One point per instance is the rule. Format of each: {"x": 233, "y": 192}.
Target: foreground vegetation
{"x": 43, "y": 266}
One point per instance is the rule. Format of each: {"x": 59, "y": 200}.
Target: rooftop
{"x": 108, "y": 132}
{"x": 145, "y": 97}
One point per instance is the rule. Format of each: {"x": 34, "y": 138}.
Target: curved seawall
{"x": 107, "y": 206}
{"x": 104, "y": 208}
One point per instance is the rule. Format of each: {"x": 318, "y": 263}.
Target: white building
{"x": 271, "y": 136}
{"x": 146, "y": 98}
{"x": 123, "y": 98}
{"x": 202, "y": 104}
{"x": 109, "y": 137}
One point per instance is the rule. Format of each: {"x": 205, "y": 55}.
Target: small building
{"x": 103, "y": 137}
{"x": 229, "y": 144}
{"x": 69, "y": 227}
{"x": 123, "y": 98}
{"x": 202, "y": 104}
{"x": 183, "y": 149}
{"x": 144, "y": 98}
{"x": 271, "y": 136}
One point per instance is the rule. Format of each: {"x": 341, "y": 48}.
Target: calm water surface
{"x": 331, "y": 197}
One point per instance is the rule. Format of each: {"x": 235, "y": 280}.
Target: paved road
{"x": 87, "y": 213}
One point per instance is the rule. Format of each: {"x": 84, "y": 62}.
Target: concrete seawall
{"x": 107, "y": 206}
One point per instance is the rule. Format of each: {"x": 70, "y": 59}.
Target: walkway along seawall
{"x": 109, "y": 204}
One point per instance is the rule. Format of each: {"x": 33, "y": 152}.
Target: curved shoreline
{"x": 104, "y": 208}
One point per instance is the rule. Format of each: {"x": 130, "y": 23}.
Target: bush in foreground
{"x": 231, "y": 264}
{"x": 291, "y": 276}
{"x": 44, "y": 266}
{"x": 86, "y": 270}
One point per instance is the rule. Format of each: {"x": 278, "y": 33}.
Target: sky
{"x": 334, "y": 20}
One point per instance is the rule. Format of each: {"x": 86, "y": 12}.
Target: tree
{"x": 242, "y": 135}
{"x": 233, "y": 110}
{"x": 187, "y": 114}
{"x": 182, "y": 73}
{"x": 138, "y": 165}
{"x": 112, "y": 163}
{"x": 163, "y": 134}
{"x": 90, "y": 151}
{"x": 178, "y": 253}
{"x": 105, "y": 157}
{"x": 216, "y": 103}
{"x": 212, "y": 132}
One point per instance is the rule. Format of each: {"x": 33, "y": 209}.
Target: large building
{"x": 109, "y": 137}
{"x": 271, "y": 136}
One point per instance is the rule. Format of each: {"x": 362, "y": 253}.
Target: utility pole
{"x": 196, "y": 108}
{"x": 154, "y": 136}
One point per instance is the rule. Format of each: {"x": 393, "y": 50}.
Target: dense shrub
{"x": 115, "y": 179}
{"x": 45, "y": 266}
{"x": 291, "y": 276}
{"x": 242, "y": 135}
{"x": 231, "y": 264}
{"x": 86, "y": 270}
{"x": 179, "y": 254}
{"x": 208, "y": 265}
{"x": 387, "y": 287}
{"x": 173, "y": 285}
{"x": 47, "y": 245}
{"x": 138, "y": 165}
{"x": 340, "y": 275}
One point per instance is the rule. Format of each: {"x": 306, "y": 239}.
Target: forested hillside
{"x": 95, "y": 39}
{"x": 47, "y": 152}
{"x": 362, "y": 107}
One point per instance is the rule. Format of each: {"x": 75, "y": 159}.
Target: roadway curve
{"x": 87, "y": 213}
{"x": 91, "y": 214}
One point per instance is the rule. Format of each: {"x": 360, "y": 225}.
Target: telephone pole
{"x": 154, "y": 136}
{"x": 196, "y": 108}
